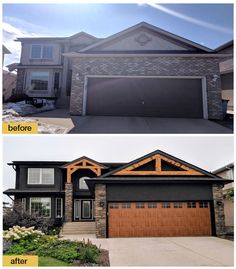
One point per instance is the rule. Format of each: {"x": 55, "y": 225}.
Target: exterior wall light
{"x": 102, "y": 204}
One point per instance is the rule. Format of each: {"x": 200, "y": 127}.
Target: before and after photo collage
{"x": 117, "y": 134}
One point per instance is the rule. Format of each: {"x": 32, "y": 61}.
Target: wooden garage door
{"x": 159, "y": 219}
{"x": 140, "y": 97}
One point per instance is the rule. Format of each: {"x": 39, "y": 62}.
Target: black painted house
{"x": 155, "y": 195}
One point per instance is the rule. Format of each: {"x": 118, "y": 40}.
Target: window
{"x": 40, "y": 206}
{"x": 23, "y": 204}
{"x": 59, "y": 207}
{"x": 39, "y": 81}
{"x": 177, "y": 205}
{"x": 152, "y": 205}
{"x": 82, "y": 183}
{"x": 191, "y": 204}
{"x": 113, "y": 205}
{"x": 203, "y": 204}
{"x": 36, "y": 52}
{"x": 56, "y": 80}
{"x": 139, "y": 205}
{"x": 126, "y": 205}
{"x": 39, "y": 51}
{"x": 166, "y": 205}
{"x": 41, "y": 176}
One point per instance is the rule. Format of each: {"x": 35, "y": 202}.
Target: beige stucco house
{"x": 227, "y": 172}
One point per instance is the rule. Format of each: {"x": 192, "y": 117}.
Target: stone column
{"x": 20, "y": 81}
{"x": 68, "y": 201}
{"x": 217, "y": 190}
{"x": 100, "y": 210}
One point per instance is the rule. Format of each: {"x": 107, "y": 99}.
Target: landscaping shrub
{"x": 68, "y": 251}
{"x": 54, "y": 230}
{"x": 23, "y": 239}
{"x": 16, "y": 233}
{"x": 15, "y": 216}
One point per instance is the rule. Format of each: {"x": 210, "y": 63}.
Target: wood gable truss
{"x": 83, "y": 163}
{"x": 176, "y": 168}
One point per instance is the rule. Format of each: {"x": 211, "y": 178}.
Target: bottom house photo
{"x": 119, "y": 201}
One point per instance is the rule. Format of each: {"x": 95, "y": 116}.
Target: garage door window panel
{"x": 191, "y": 204}
{"x": 166, "y": 205}
{"x": 140, "y": 205}
{"x": 177, "y": 205}
{"x": 203, "y": 204}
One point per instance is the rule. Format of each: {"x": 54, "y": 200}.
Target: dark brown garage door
{"x": 159, "y": 219}
{"x": 151, "y": 97}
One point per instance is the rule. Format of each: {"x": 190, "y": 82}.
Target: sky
{"x": 206, "y": 152}
{"x": 208, "y": 24}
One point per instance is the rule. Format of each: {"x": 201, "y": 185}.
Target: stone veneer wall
{"x": 217, "y": 190}
{"x": 20, "y": 81}
{"x": 100, "y": 210}
{"x": 68, "y": 201}
{"x": 147, "y": 66}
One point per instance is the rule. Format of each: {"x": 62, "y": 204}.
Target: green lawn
{"x": 48, "y": 261}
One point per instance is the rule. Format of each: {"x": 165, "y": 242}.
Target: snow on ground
{"x": 24, "y": 109}
{"x": 14, "y": 112}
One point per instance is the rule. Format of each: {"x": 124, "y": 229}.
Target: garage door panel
{"x": 159, "y": 221}
{"x": 153, "y": 97}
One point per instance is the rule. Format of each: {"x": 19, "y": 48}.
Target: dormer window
{"x": 82, "y": 183}
{"x": 43, "y": 176}
{"x": 39, "y": 51}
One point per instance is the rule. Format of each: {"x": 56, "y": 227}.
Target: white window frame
{"x": 23, "y": 204}
{"x": 41, "y": 51}
{"x": 61, "y": 216}
{"x": 83, "y": 178}
{"x": 48, "y": 217}
{"x": 40, "y": 176}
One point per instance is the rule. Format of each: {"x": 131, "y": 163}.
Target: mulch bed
{"x": 102, "y": 260}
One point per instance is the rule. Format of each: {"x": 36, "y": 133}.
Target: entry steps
{"x": 85, "y": 227}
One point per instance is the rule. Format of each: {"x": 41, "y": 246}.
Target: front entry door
{"x": 83, "y": 209}
{"x": 86, "y": 209}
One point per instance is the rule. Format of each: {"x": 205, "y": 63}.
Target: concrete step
{"x": 78, "y": 228}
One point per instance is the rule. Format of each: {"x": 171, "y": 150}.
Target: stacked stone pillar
{"x": 217, "y": 190}
{"x": 100, "y": 210}
{"x": 68, "y": 201}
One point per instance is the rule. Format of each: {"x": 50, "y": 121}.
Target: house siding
{"x": 22, "y": 178}
{"x": 159, "y": 192}
{"x": 147, "y": 66}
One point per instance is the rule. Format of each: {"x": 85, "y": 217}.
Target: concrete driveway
{"x": 101, "y": 124}
{"x": 167, "y": 251}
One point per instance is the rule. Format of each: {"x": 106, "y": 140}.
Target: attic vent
{"x": 143, "y": 39}
{"x": 165, "y": 166}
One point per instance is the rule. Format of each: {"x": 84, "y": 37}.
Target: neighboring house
{"x": 140, "y": 71}
{"x": 227, "y": 172}
{"x": 4, "y": 51}
{"x": 9, "y": 79}
{"x": 227, "y": 74}
{"x": 155, "y": 195}
{"x": 9, "y": 84}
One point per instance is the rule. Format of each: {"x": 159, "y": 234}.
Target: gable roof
{"x": 201, "y": 171}
{"x": 83, "y": 34}
{"x": 84, "y": 158}
{"x": 225, "y": 45}
{"x": 153, "y": 28}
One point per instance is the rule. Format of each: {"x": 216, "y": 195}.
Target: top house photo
{"x": 167, "y": 82}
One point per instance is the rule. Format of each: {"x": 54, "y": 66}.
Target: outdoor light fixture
{"x": 219, "y": 203}
{"x": 215, "y": 77}
{"x": 77, "y": 76}
{"x": 102, "y": 204}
